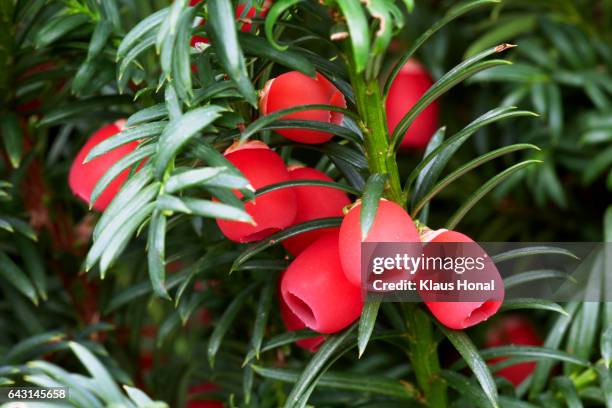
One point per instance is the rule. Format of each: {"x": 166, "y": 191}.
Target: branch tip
{"x": 504, "y": 47}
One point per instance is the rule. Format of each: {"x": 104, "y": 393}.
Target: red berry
{"x": 292, "y": 323}
{"x": 513, "y": 330}
{"x": 84, "y": 176}
{"x": 272, "y": 211}
{"x": 392, "y": 224}
{"x": 313, "y": 202}
{"x": 316, "y": 290}
{"x": 294, "y": 89}
{"x": 411, "y": 83}
{"x": 459, "y": 315}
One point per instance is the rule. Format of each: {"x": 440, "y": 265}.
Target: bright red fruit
{"x": 84, "y": 176}
{"x": 316, "y": 290}
{"x": 313, "y": 202}
{"x": 411, "y": 83}
{"x": 294, "y": 89}
{"x": 392, "y": 224}
{"x": 292, "y": 323}
{"x": 459, "y": 315}
{"x": 513, "y": 330}
{"x": 272, "y": 211}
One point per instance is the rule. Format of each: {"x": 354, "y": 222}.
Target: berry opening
{"x": 482, "y": 313}
{"x": 301, "y": 309}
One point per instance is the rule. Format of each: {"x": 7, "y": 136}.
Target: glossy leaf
{"x": 108, "y": 388}
{"x": 109, "y": 234}
{"x": 156, "y": 253}
{"x": 130, "y": 134}
{"x": 25, "y": 349}
{"x": 281, "y": 340}
{"x": 259, "y": 47}
{"x": 482, "y": 191}
{"x": 178, "y": 133}
{"x": 553, "y": 340}
{"x": 135, "y": 35}
{"x": 454, "y": 12}
{"x": 295, "y": 183}
{"x": 369, "y": 204}
{"x": 533, "y": 250}
{"x": 17, "y": 278}
{"x": 12, "y": 137}
{"x": 58, "y": 27}
{"x": 203, "y": 208}
{"x": 222, "y": 29}
{"x": 366, "y": 323}
{"x": 440, "y": 155}
{"x": 280, "y": 236}
{"x": 453, "y": 77}
{"x": 359, "y": 33}
{"x": 314, "y": 368}
{"x": 200, "y": 177}
{"x": 225, "y": 321}
{"x": 346, "y": 381}
{"x": 127, "y": 193}
{"x": 123, "y": 236}
{"x": 261, "y": 317}
{"x": 120, "y": 165}
{"x": 473, "y": 359}
{"x": 466, "y": 168}
{"x": 275, "y": 12}
{"x": 537, "y": 304}
{"x": 264, "y": 121}
{"x": 466, "y": 388}
{"x": 149, "y": 114}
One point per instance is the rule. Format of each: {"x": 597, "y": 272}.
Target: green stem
{"x": 423, "y": 353}
{"x": 422, "y": 347}
{"x": 376, "y": 136}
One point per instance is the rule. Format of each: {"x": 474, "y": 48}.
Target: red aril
{"x": 272, "y": 211}
{"x": 84, "y": 176}
{"x": 317, "y": 291}
{"x": 313, "y": 202}
{"x": 391, "y": 224}
{"x": 513, "y": 330}
{"x": 410, "y": 84}
{"x": 459, "y": 315}
{"x": 292, "y": 323}
{"x": 295, "y": 89}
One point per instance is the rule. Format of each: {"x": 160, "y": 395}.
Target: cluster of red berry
{"x": 321, "y": 287}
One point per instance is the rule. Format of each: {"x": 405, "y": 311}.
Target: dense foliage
{"x": 148, "y": 301}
